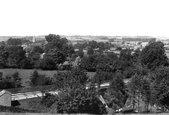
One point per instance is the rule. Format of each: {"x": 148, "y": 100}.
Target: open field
{"x": 25, "y": 73}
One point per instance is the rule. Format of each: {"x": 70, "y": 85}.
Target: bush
{"x": 10, "y": 81}
{"x": 48, "y": 99}
{"x": 39, "y": 79}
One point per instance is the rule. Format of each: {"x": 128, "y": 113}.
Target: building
{"x": 5, "y": 98}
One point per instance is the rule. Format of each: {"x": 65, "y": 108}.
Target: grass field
{"x": 25, "y": 73}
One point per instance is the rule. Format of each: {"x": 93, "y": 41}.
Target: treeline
{"x": 56, "y": 52}
{"x": 93, "y": 45}
{"x": 12, "y": 55}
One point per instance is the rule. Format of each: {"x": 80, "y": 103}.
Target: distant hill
{"x": 83, "y": 37}
{"x": 38, "y": 38}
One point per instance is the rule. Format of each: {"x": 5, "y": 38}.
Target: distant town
{"x": 125, "y": 42}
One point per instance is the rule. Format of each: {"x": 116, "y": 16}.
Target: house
{"x": 5, "y": 98}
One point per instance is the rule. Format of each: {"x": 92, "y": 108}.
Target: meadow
{"x": 26, "y": 73}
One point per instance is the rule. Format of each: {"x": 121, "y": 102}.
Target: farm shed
{"x": 5, "y": 98}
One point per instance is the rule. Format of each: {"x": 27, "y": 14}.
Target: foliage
{"x": 37, "y": 49}
{"x": 89, "y": 63}
{"x": 102, "y": 77}
{"x": 57, "y": 49}
{"x": 160, "y": 86}
{"x": 37, "y": 79}
{"x": 57, "y": 56}
{"x": 55, "y": 41}
{"x": 125, "y": 55}
{"x": 26, "y": 63}
{"x": 76, "y": 75}
{"x": 10, "y": 81}
{"x": 116, "y": 95}
{"x": 48, "y": 99}
{"x": 3, "y": 56}
{"x": 14, "y": 41}
{"x": 93, "y": 44}
{"x": 90, "y": 51}
{"x": 153, "y": 55}
{"x": 80, "y": 53}
{"x": 80, "y": 100}
{"x": 73, "y": 96}
{"x": 139, "y": 89}
{"x": 112, "y": 56}
{"x": 68, "y": 49}
{"x": 119, "y": 48}
{"x": 47, "y": 63}
{"x": 15, "y": 55}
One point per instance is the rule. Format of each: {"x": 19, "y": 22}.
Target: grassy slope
{"x": 14, "y": 110}
{"x": 25, "y": 73}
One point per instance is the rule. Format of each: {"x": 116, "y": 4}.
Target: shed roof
{"x": 3, "y": 92}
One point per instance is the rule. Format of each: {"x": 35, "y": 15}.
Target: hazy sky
{"x": 84, "y": 17}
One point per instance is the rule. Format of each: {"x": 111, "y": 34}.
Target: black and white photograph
{"x": 84, "y": 57}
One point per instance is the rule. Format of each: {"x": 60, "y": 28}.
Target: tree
{"x": 89, "y": 63}
{"x": 37, "y": 49}
{"x": 14, "y": 41}
{"x": 93, "y": 44}
{"x": 55, "y": 41}
{"x": 139, "y": 90}
{"x": 125, "y": 55}
{"x": 136, "y": 55}
{"x": 47, "y": 63}
{"x": 68, "y": 49}
{"x": 17, "y": 80}
{"x": 10, "y": 81}
{"x": 80, "y": 100}
{"x": 80, "y": 53}
{"x": 3, "y": 56}
{"x": 90, "y": 51}
{"x": 37, "y": 79}
{"x": 112, "y": 56}
{"x": 74, "y": 97}
{"x": 116, "y": 95}
{"x": 134, "y": 90}
{"x": 102, "y": 77}
{"x": 153, "y": 55}
{"x": 63, "y": 79}
{"x": 15, "y": 55}
{"x": 119, "y": 48}
{"x": 57, "y": 56}
{"x": 160, "y": 86}
{"x": 26, "y": 63}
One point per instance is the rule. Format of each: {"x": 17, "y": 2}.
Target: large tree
{"x": 116, "y": 95}
{"x": 14, "y": 41}
{"x": 57, "y": 49}
{"x": 55, "y": 41}
{"x": 160, "y": 87}
{"x": 73, "y": 96}
{"x": 153, "y": 55}
{"x": 15, "y": 55}
{"x": 3, "y": 56}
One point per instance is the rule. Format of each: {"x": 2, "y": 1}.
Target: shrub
{"x": 10, "y": 81}
{"x": 39, "y": 79}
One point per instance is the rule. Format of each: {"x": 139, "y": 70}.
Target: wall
{"x": 5, "y": 99}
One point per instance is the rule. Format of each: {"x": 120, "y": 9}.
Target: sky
{"x": 84, "y": 17}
